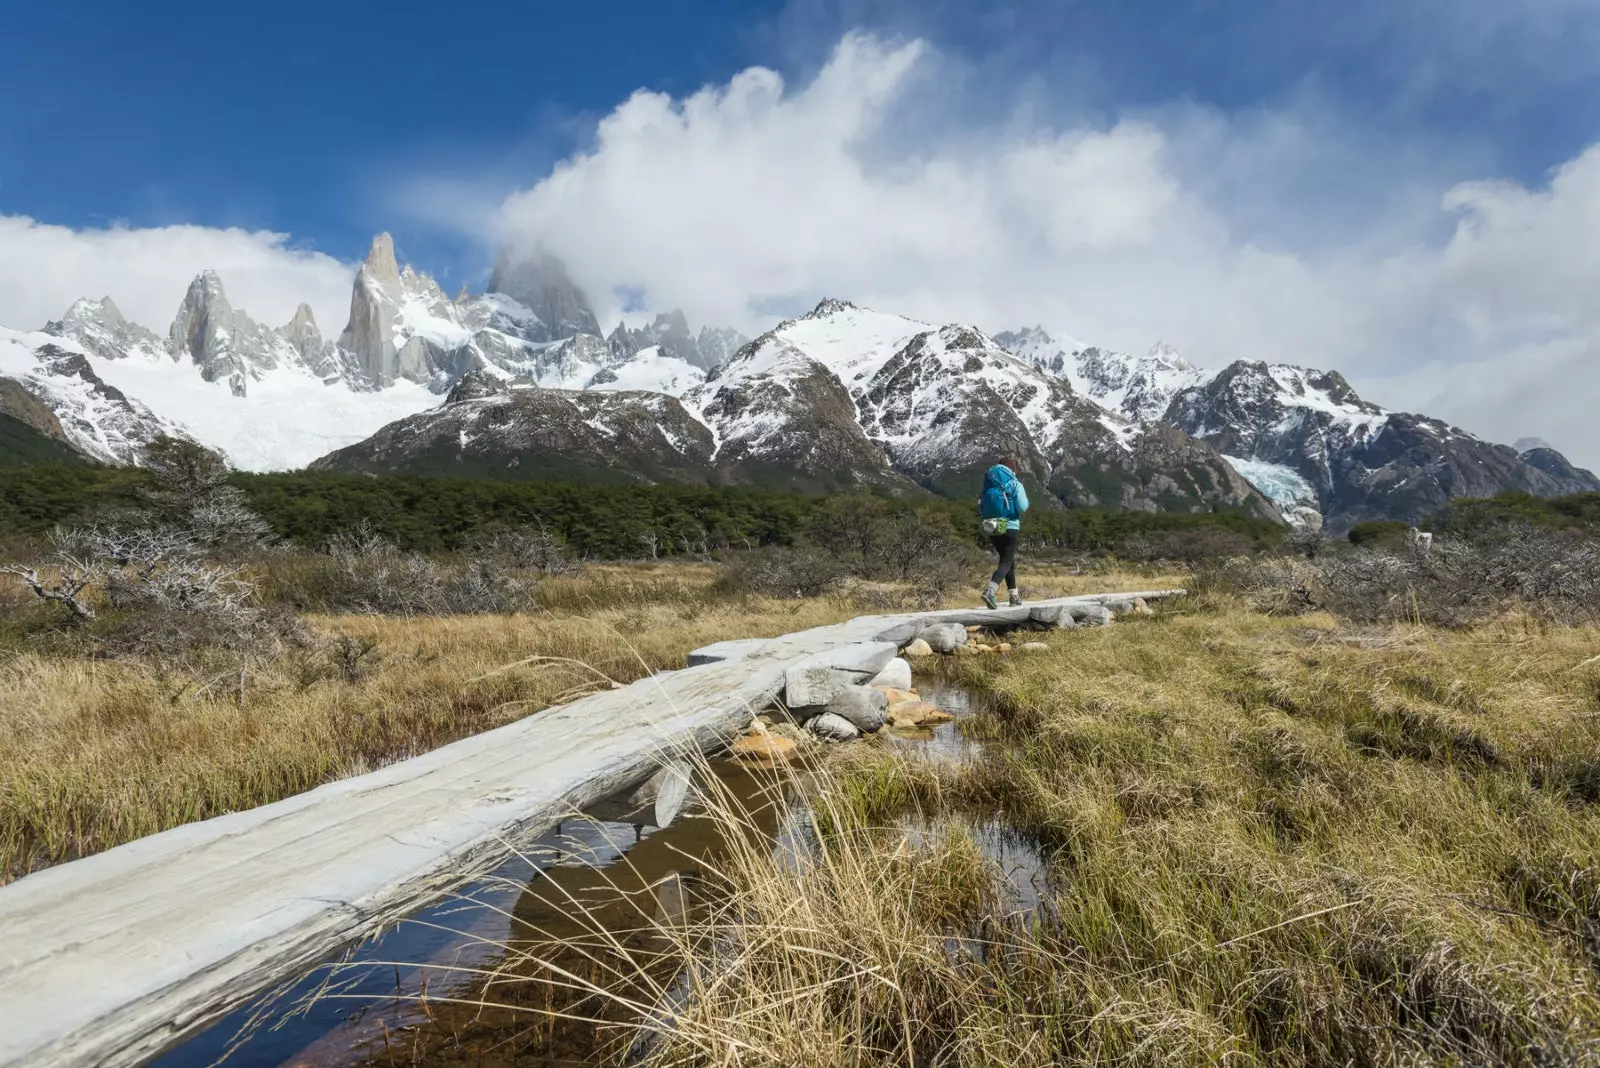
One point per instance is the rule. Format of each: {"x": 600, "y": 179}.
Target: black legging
{"x": 1006, "y": 545}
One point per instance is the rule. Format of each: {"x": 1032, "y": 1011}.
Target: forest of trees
{"x": 598, "y": 522}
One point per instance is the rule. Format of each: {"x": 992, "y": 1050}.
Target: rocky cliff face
{"x": 489, "y": 429}
{"x": 17, "y": 402}
{"x": 30, "y": 433}
{"x": 784, "y": 420}
{"x": 1362, "y": 461}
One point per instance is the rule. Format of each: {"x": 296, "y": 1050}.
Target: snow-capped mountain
{"x": 519, "y": 381}
{"x": 273, "y": 399}
{"x": 1362, "y": 460}
{"x": 1303, "y": 436}
{"x": 1139, "y": 387}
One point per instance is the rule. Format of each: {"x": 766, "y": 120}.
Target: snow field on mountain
{"x": 93, "y": 422}
{"x": 288, "y": 419}
{"x": 854, "y": 343}
{"x": 652, "y": 370}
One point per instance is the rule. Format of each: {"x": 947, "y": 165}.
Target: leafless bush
{"x": 1551, "y": 573}
{"x": 782, "y": 572}
{"x": 530, "y": 548}
{"x": 146, "y": 589}
{"x": 364, "y": 572}
{"x": 1185, "y": 546}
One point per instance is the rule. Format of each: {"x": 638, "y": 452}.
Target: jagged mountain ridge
{"x": 276, "y": 398}
{"x": 838, "y": 397}
{"x": 844, "y": 397}
{"x": 1304, "y": 436}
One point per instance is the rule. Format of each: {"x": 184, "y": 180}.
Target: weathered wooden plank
{"x": 110, "y": 959}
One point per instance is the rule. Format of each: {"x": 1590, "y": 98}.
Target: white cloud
{"x": 754, "y": 195}
{"x": 44, "y": 268}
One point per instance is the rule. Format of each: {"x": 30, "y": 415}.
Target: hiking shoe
{"x": 1016, "y": 599}
{"x": 988, "y": 597}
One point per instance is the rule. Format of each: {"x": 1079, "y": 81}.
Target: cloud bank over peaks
{"x": 44, "y": 268}
{"x": 756, "y": 196}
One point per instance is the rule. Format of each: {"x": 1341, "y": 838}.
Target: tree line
{"x": 441, "y": 514}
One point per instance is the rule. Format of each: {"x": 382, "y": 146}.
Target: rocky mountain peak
{"x": 380, "y": 263}
{"x": 540, "y": 282}
{"x": 216, "y": 338}
{"x": 828, "y": 306}
{"x": 99, "y": 326}
{"x": 475, "y": 385}
{"x": 1167, "y": 356}
{"x": 304, "y": 321}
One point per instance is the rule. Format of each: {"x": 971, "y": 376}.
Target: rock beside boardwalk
{"x": 917, "y": 648}
{"x": 1033, "y": 647}
{"x": 833, "y": 728}
{"x": 906, "y": 710}
{"x": 767, "y": 748}
{"x": 862, "y": 706}
{"x": 897, "y": 674}
{"x": 944, "y": 637}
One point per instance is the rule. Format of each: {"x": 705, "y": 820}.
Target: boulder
{"x": 1119, "y": 608}
{"x": 944, "y": 637}
{"x": 1033, "y": 647}
{"x": 862, "y": 706}
{"x": 1142, "y": 607}
{"x": 897, "y": 675}
{"x": 918, "y": 647}
{"x": 1004, "y": 647}
{"x": 1092, "y": 615}
{"x": 833, "y": 728}
{"x": 770, "y": 749}
{"x": 809, "y": 687}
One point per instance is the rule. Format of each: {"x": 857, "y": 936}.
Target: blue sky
{"x": 1399, "y": 189}
{"x": 298, "y": 117}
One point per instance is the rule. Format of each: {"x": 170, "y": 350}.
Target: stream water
{"x": 372, "y": 1004}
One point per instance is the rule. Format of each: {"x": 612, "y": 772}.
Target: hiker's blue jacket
{"x": 1004, "y": 497}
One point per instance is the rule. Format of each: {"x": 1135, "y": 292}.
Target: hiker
{"x": 1000, "y": 509}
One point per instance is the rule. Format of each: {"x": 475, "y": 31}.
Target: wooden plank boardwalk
{"x": 111, "y": 959}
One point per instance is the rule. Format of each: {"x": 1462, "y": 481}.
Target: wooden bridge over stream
{"x": 111, "y": 959}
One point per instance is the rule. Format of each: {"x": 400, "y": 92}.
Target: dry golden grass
{"x": 98, "y": 752}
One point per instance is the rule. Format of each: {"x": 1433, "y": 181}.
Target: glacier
{"x": 1284, "y": 486}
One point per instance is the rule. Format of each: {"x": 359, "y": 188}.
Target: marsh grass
{"x": 1269, "y": 841}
